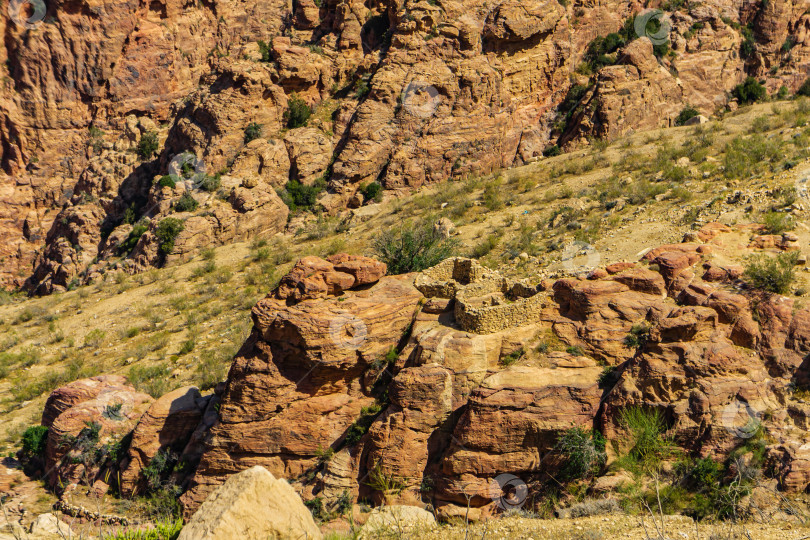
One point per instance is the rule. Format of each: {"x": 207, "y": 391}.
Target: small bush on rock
{"x": 773, "y": 274}
{"x": 583, "y": 451}
{"x": 372, "y": 191}
{"x": 252, "y": 132}
{"x": 412, "y": 249}
{"x": 148, "y": 145}
{"x": 167, "y": 181}
{"x": 186, "y": 203}
{"x": 297, "y": 113}
{"x": 167, "y": 232}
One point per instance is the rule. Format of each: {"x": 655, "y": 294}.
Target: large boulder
{"x": 79, "y": 391}
{"x": 252, "y": 505}
{"x": 80, "y": 437}
{"x": 166, "y": 426}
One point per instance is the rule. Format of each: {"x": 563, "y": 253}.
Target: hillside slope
{"x": 103, "y": 99}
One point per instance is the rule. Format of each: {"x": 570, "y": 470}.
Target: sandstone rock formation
{"x": 404, "y": 94}
{"x": 166, "y": 426}
{"x": 76, "y": 434}
{"x": 298, "y": 383}
{"x": 251, "y": 505}
{"x": 422, "y": 388}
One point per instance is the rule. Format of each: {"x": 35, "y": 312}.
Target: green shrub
{"x": 646, "y": 428}
{"x": 512, "y": 357}
{"x": 748, "y": 45}
{"x": 211, "y": 183}
{"x": 551, "y": 151}
{"x": 94, "y": 338}
{"x": 148, "y": 145}
{"x": 583, "y": 452}
{"x": 252, "y": 132}
{"x": 638, "y": 336}
{"x": 265, "y": 51}
{"x": 608, "y": 378}
{"x": 778, "y": 222}
{"x": 167, "y": 181}
{"x": 411, "y": 249}
{"x": 316, "y": 508}
{"x": 750, "y": 91}
{"x": 33, "y": 442}
{"x": 151, "y": 379}
{"x": 361, "y": 425}
{"x": 685, "y": 114}
{"x": 186, "y": 203}
{"x": 746, "y": 155}
{"x": 167, "y": 231}
{"x": 298, "y": 196}
{"x": 804, "y": 89}
{"x": 297, "y": 113}
{"x": 132, "y": 240}
{"x": 372, "y": 191}
{"x": 774, "y": 274}
{"x": 486, "y": 246}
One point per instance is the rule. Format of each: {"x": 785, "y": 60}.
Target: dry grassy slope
{"x": 138, "y": 325}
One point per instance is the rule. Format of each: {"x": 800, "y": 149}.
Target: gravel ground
{"x": 613, "y": 527}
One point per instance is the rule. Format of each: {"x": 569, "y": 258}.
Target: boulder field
{"x": 421, "y": 388}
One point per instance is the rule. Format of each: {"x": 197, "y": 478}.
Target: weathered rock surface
{"x": 166, "y": 426}
{"x": 74, "y": 435}
{"x": 251, "y": 505}
{"x": 405, "y": 94}
{"x": 297, "y": 385}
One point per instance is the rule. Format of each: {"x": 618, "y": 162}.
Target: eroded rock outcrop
{"x": 405, "y": 94}
{"x": 298, "y": 384}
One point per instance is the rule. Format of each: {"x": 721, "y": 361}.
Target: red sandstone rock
{"x": 165, "y": 426}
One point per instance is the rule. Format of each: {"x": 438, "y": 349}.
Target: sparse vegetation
{"x": 167, "y": 232}
{"x": 583, "y": 452}
{"x": 297, "y": 113}
{"x": 186, "y": 203}
{"x": 411, "y": 248}
{"x": 148, "y": 145}
{"x": 253, "y": 132}
{"x": 773, "y": 274}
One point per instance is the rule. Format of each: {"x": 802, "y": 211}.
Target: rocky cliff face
{"x": 405, "y": 94}
{"x": 422, "y": 388}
